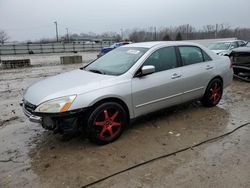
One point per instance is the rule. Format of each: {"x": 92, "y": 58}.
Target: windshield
{"x": 219, "y": 46}
{"x": 115, "y": 45}
{"x": 248, "y": 44}
{"x": 117, "y": 61}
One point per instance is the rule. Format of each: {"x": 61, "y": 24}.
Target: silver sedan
{"x": 136, "y": 79}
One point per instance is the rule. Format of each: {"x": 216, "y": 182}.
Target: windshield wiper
{"x": 96, "y": 71}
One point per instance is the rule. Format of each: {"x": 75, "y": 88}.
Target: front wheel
{"x": 106, "y": 123}
{"x": 213, "y": 93}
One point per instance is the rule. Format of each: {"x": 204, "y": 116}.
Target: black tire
{"x": 106, "y": 123}
{"x": 213, "y": 93}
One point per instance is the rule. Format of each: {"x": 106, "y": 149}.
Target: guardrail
{"x": 50, "y": 48}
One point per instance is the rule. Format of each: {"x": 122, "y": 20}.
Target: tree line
{"x": 188, "y": 32}
{"x": 181, "y": 32}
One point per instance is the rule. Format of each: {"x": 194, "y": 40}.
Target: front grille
{"x": 29, "y": 107}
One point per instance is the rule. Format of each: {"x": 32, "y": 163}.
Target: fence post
{"x": 28, "y": 48}
{"x": 14, "y": 48}
{"x": 53, "y": 50}
{"x": 41, "y": 47}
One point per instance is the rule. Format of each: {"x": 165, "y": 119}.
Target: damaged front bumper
{"x": 240, "y": 58}
{"x": 58, "y": 122}
{"x": 32, "y": 118}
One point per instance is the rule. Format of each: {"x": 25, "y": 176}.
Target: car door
{"x": 197, "y": 69}
{"x": 161, "y": 88}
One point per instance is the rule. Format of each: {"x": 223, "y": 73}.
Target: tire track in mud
{"x": 2, "y": 122}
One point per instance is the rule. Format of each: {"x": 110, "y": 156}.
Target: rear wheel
{"x": 106, "y": 123}
{"x": 213, "y": 93}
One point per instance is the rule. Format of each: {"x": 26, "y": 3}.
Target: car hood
{"x": 242, "y": 49}
{"x": 220, "y": 51}
{"x": 69, "y": 83}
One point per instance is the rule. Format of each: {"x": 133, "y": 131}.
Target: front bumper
{"x": 32, "y": 117}
{"x": 38, "y": 117}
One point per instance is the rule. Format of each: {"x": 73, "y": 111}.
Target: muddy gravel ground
{"x": 33, "y": 157}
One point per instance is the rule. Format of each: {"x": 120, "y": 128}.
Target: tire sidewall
{"x": 205, "y": 100}
{"x": 93, "y": 115}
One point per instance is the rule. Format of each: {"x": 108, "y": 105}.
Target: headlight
{"x": 221, "y": 54}
{"x": 61, "y": 104}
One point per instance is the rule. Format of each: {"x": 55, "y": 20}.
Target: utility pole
{"x": 122, "y": 33}
{"x": 216, "y": 31}
{"x": 155, "y": 33}
{"x": 56, "y": 31}
{"x": 67, "y": 34}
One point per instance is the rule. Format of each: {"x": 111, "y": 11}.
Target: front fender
{"x": 120, "y": 91}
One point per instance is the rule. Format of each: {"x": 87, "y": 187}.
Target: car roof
{"x": 158, "y": 43}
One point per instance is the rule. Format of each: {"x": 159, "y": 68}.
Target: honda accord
{"x": 136, "y": 79}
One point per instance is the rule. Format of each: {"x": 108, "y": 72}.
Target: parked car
{"x": 136, "y": 79}
{"x": 89, "y": 42}
{"x": 224, "y": 47}
{"x": 113, "y": 46}
{"x": 241, "y": 62}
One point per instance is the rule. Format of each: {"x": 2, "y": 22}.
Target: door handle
{"x": 175, "y": 76}
{"x": 208, "y": 67}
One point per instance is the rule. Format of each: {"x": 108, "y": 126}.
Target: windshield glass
{"x": 115, "y": 45}
{"x": 248, "y": 44}
{"x": 117, "y": 61}
{"x": 219, "y": 46}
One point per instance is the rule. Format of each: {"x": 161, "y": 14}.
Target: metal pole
{"x": 155, "y": 33}
{"x": 56, "y": 31}
{"x": 216, "y": 30}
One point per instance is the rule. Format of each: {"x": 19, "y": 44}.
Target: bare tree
{"x": 3, "y": 37}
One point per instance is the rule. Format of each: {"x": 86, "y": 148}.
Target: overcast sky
{"x": 34, "y": 19}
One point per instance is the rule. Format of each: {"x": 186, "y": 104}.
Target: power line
{"x": 166, "y": 155}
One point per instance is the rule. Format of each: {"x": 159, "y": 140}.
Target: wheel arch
{"x": 216, "y": 77}
{"x": 114, "y": 99}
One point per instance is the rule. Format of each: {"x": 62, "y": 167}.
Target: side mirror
{"x": 147, "y": 69}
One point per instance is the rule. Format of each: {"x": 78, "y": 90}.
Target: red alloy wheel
{"x": 108, "y": 124}
{"x": 215, "y": 93}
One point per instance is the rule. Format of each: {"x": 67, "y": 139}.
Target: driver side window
{"x": 162, "y": 59}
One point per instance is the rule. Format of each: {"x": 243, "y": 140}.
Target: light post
{"x": 56, "y": 31}
{"x": 67, "y": 29}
